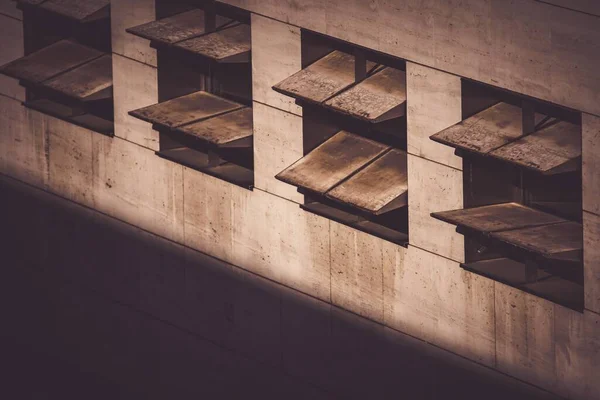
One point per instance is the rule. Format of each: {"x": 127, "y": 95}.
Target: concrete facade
{"x": 535, "y": 48}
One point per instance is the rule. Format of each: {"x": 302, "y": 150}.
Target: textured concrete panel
{"x": 274, "y": 238}
{"x": 23, "y": 141}
{"x": 434, "y": 187}
{"x": 434, "y": 104}
{"x": 275, "y": 56}
{"x": 208, "y": 214}
{"x": 525, "y": 336}
{"x": 577, "y": 353}
{"x": 138, "y": 187}
{"x": 71, "y": 162}
{"x": 135, "y": 86}
{"x": 277, "y": 145}
{"x": 591, "y": 257}
{"x": 11, "y": 32}
{"x": 591, "y": 163}
{"x": 432, "y": 298}
{"x": 586, "y": 6}
{"x": 357, "y": 264}
{"x": 9, "y": 8}
{"x": 467, "y": 39}
{"x": 127, "y": 14}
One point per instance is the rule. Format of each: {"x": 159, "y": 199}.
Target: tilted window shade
{"x": 550, "y": 150}
{"x": 354, "y": 171}
{"x": 79, "y": 10}
{"x": 332, "y": 162}
{"x": 185, "y": 110}
{"x": 554, "y": 147}
{"x": 88, "y": 82}
{"x": 227, "y": 45}
{"x": 50, "y": 61}
{"x": 380, "y": 97}
{"x": 176, "y": 28}
{"x": 380, "y": 187}
{"x": 233, "y": 129}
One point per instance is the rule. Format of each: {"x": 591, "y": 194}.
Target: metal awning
{"x": 186, "y": 109}
{"x": 176, "y": 28}
{"x": 550, "y": 147}
{"x": 50, "y": 61}
{"x": 380, "y": 97}
{"x": 78, "y": 10}
{"x": 354, "y": 171}
{"x": 227, "y": 45}
{"x": 233, "y": 129}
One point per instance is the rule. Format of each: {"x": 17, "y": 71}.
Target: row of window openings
{"x": 521, "y": 157}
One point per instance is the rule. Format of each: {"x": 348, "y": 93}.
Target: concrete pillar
{"x": 126, "y": 14}
{"x": 11, "y": 32}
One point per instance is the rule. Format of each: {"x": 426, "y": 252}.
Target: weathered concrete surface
{"x": 136, "y": 186}
{"x": 577, "y": 353}
{"x": 434, "y": 187}
{"x": 268, "y": 235}
{"x": 71, "y": 161}
{"x": 135, "y": 86}
{"x": 277, "y": 145}
{"x": 586, "y": 6}
{"x": 11, "y": 31}
{"x": 358, "y": 261}
{"x": 9, "y": 9}
{"x": 432, "y": 298}
{"x": 275, "y": 56}
{"x": 525, "y": 336}
{"x": 471, "y": 39}
{"x": 127, "y": 14}
{"x": 434, "y": 104}
{"x": 591, "y": 259}
{"x": 591, "y": 163}
{"x": 23, "y": 141}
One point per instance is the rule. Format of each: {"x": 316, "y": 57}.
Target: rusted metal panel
{"x": 497, "y": 217}
{"x": 176, "y": 28}
{"x": 226, "y": 45}
{"x": 186, "y": 109}
{"x": 91, "y": 81}
{"x": 563, "y": 241}
{"x": 378, "y": 98}
{"x": 377, "y": 188}
{"x": 484, "y": 131}
{"x": 81, "y": 10}
{"x": 332, "y": 162}
{"x": 50, "y": 61}
{"x": 554, "y": 149}
{"x": 224, "y": 129}
{"x": 322, "y": 79}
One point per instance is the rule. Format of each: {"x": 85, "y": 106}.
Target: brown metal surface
{"x": 322, "y": 79}
{"x": 174, "y": 29}
{"x": 556, "y": 148}
{"x": 50, "y": 61}
{"x": 86, "y": 82}
{"x": 375, "y": 187}
{"x": 77, "y": 9}
{"x": 380, "y": 97}
{"x": 331, "y": 162}
{"x": 223, "y": 129}
{"x": 227, "y": 45}
{"x": 497, "y": 217}
{"x": 186, "y": 109}
{"x": 562, "y": 241}
{"x": 485, "y": 131}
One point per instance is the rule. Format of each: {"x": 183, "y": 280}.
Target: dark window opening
{"x": 67, "y": 68}
{"x": 204, "y": 114}
{"x": 522, "y": 216}
{"x": 354, "y": 169}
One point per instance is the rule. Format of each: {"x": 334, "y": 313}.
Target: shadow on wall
{"x": 95, "y": 308}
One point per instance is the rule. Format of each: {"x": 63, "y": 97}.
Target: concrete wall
{"x": 527, "y": 46}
